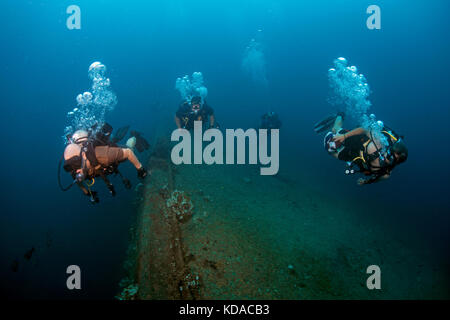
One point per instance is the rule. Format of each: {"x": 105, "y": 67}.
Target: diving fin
{"x": 141, "y": 143}
{"x": 327, "y": 123}
{"x": 120, "y": 134}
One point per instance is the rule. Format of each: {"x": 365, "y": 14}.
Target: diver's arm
{"x": 83, "y": 189}
{"x": 178, "y": 122}
{"x": 129, "y": 154}
{"x": 80, "y": 183}
{"x": 89, "y": 193}
{"x": 211, "y": 121}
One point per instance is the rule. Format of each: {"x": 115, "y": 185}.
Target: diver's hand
{"x": 339, "y": 138}
{"x": 361, "y": 181}
{"x": 142, "y": 172}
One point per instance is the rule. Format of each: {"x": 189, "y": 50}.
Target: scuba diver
{"x": 358, "y": 147}
{"x": 196, "y": 110}
{"x": 89, "y": 156}
{"x": 270, "y": 120}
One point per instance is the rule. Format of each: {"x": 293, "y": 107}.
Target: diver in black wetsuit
{"x": 359, "y": 147}
{"x": 196, "y": 110}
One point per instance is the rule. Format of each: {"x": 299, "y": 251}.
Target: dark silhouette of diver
{"x": 270, "y": 120}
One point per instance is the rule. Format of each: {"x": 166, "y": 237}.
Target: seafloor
{"x": 225, "y": 232}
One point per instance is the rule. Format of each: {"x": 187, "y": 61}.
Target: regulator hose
{"x": 59, "y": 177}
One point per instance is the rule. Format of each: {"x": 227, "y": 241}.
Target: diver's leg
{"x": 125, "y": 181}
{"x": 338, "y": 124}
{"x": 109, "y": 185}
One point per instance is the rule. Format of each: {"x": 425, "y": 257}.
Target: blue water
{"x": 146, "y": 46}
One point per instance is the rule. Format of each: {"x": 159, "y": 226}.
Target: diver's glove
{"x": 94, "y": 197}
{"x": 142, "y": 172}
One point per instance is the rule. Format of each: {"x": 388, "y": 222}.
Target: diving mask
{"x": 195, "y": 108}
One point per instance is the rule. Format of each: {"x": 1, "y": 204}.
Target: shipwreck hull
{"x": 218, "y": 232}
{"x": 161, "y": 271}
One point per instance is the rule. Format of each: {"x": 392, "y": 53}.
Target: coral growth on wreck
{"x": 129, "y": 293}
{"x": 180, "y": 204}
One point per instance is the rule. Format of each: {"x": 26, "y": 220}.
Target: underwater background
{"x": 146, "y": 45}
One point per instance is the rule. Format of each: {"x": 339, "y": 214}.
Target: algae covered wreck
{"x": 215, "y": 232}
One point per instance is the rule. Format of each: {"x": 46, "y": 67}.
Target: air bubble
{"x": 92, "y": 105}
{"x": 352, "y": 90}
{"x": 254, "y": 63}
{"x": 189, "y": 87}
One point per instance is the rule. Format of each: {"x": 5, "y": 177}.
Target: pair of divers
{"x": 361, "y": 150}
{"x": 95, "y": 153}
{"x": 198, "y": 110}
